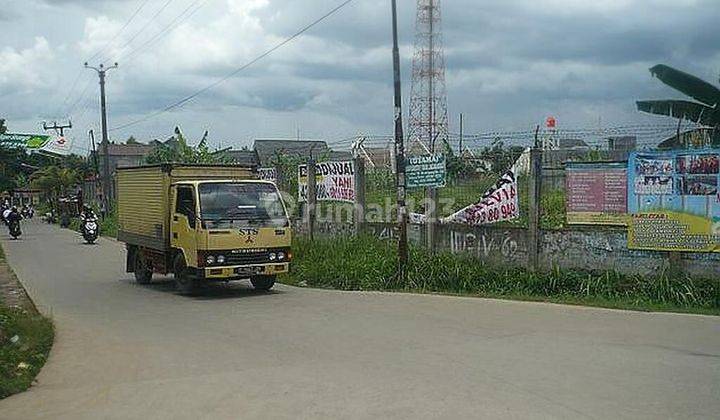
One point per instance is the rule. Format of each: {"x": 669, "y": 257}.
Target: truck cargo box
{"x": 143, "y": 198}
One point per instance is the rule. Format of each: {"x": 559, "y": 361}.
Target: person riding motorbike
{"x": 88, "y": 225}
{"x": 12, "y": 218}
{"x": 86, "y": 214}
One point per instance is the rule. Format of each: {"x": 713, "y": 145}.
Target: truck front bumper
{"x": 241, "y": 271}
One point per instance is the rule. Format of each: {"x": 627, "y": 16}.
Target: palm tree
{"x": 54, "y": 182}
{"x": 705, "y": 111}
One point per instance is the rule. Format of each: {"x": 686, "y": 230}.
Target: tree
{"x": 3, "y": 127}
{"x": 705, "y": 111}
{"x": 176, "y": 150}
{"x": 54, "y": 181}
{"x": 131, "y": 140}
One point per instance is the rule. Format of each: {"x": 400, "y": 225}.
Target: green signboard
{"x": 28, "y": 141}
{"x": 425, "y": 171}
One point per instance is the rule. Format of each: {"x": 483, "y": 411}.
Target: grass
{"x": 365, "y": 263}
{"x": 109, "y": 226}
{"x": 25, "y": 341}
{"x": 22, "y": 360}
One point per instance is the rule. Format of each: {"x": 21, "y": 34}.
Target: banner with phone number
{"x": 498, "y": 203}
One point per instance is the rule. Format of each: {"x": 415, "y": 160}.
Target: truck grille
{"x": 260, "y": 257}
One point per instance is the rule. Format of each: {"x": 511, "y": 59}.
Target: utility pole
{"x": 61, "y": 128}
{"x": 461, "y": 135}
{"x": 399, "y": 156}
{"x": 101, "y": 70}
{"x": 91, "y": 133}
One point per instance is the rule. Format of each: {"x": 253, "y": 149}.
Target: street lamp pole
{"x": 101, "y": 70}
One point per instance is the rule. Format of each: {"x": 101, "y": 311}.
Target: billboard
{"x": 28, "y": 141}
{"x": 498, "y": 203}
{"x": 674, "y": 200}
{"x": 596, "y": 193}
{"x": 334, "y": 181}
{"x": 425, "y": 171}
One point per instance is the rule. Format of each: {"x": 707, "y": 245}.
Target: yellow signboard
{"x": 672, "y": 231}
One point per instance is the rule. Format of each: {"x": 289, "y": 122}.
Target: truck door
{"x": 184, "y": 223}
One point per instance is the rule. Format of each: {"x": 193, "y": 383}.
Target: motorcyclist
{"x": 86, "y": 213}
{"x": 12, "y": 215}
{"x": 6, "y": 210}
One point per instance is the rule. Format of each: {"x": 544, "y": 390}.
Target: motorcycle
{"x": 14, "y": 228}
{"x": 90, "y": 229}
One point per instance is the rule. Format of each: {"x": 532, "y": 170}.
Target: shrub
{"x": 366, "y": 263}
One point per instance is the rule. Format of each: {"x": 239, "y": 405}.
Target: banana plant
{"x": 705, "y": 109}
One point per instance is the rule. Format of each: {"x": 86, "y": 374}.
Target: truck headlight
{"x": 221, "y": 259}
{"x": 281, "y": 256}
{"x": 210, "y": 260}
{"x": 272, "y": 256}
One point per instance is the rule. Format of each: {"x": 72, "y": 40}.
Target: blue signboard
{"x": 674, "y": 200}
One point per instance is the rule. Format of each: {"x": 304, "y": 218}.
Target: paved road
{"x": 130, "y": 351}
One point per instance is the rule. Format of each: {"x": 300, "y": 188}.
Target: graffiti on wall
{"x": 484, "y": 244}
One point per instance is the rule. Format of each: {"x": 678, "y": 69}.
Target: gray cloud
{"x": 509, "y": 63}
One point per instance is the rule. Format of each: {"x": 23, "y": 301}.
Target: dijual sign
{"x": 674, "y": 201}
{"x": 334, "y": 181}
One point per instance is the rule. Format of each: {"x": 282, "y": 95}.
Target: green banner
{"x": 28, "y": 141}
{"x": 425, "y": 171}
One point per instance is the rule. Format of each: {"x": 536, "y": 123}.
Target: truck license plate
{"x": 246, "y": 271}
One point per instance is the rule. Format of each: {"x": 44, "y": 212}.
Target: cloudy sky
{"x": 510, "y": 63}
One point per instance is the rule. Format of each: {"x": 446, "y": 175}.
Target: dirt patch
{"x": 12, "y": 294}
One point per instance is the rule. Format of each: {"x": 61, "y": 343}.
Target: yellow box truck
{"x": 202, "y": 223}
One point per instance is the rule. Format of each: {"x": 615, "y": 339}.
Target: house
{"x": 267, "y": 149}
{"x": 123, "y": 155}
{"x": 377, "y": 157}
{"x": 697, "y": 137}
{"x": 624, "y": 143}
{"x": 572, "y": 144}
{"x": 243, "y": 157}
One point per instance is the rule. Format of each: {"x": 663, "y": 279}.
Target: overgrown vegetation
{"x": 177, "y": 150}
{"x": 25, "y": 341}
{"x": 366, "y": 263}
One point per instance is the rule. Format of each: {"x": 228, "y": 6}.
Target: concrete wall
{"x": 606, "y": 249}
{"x": 597, "y": 248}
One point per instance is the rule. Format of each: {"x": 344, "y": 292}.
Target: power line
{"x": 130, "y": 56}
{"x": 236, "y": 71}
{"x": 70, "y": 92}
{"x": 127, "y": 22}
{"x": 82, "y": 96}
{"x": 147, "y": 24}
{"x": 97, "y": 53}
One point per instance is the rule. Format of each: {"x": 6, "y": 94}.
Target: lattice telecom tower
{"x": 428, "y": 123}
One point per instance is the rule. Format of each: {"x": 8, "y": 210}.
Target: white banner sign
{"x": 59, "y": 145}
{"x": 335, "y": 181}
{"x": 498, "y": 203}
{"x": 267, "y": 174}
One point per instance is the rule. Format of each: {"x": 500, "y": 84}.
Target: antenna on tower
{"x": 428, "y": 122}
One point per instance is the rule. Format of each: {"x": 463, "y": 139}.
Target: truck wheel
{"x": 263, "y": 282}
{"x": 183, "y": 282}
{"x": 143, "y": 270}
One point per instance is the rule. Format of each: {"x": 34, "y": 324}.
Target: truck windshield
{"x": 241, "y": 204}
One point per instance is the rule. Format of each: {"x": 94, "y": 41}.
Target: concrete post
{"x": 534, "y": 191}
{"x": 359, "y": 214}
{"x": 311, "y": 198}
